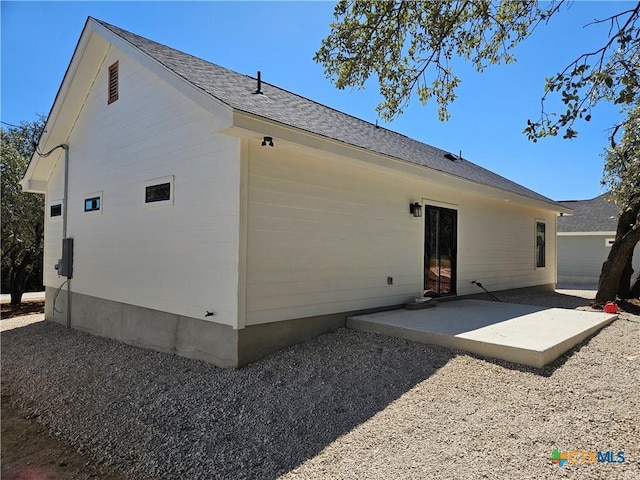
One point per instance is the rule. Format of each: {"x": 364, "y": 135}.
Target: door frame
{"x": 454, "y": 257}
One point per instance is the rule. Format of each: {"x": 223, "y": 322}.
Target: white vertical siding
{"x": 182, "y": 258}
{"x": 580, "y": 257}
{"x": 324, "y": 235}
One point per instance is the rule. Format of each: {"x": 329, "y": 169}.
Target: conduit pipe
{"x": 65, "y": 199}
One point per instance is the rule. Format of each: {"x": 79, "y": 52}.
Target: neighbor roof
{"x": 594, "y": 215}
{"x": 238, "y": 92}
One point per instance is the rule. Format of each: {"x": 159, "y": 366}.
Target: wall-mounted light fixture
{"x": 267, "y": 141}
{"x": 415, "y": 209}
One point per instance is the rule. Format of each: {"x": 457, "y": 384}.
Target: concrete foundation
{"x": 482, "y": 295}
{"x": 188, "y": 337}
{"x": 144, "y": 327}
{"x": 194, "y": 338}
{"x": 258, "y": 341}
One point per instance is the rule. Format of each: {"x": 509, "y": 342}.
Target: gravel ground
{"x": 344, "y": 405}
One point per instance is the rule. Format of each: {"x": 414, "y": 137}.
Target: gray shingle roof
{"x": 237, "y": 91}
{"x": 595, "y": 215}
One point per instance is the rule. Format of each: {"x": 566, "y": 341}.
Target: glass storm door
{"x": 441, "y": 225}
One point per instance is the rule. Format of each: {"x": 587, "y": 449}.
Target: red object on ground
{"x": 610, "y": 307}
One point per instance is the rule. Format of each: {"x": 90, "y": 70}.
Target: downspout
{"x": 65, "y": 198}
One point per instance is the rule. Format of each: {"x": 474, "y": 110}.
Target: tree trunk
{"x": 16, "y": 298}
{"x": 613, "y": 268}
{"x": 19, "y": 278}
{"x": 617, "y": 267}
{"x": 20, "y": 273}
{"x": 624, "y": 288}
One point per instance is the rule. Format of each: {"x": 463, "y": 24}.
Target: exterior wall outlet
{"x": 389, "y": 280}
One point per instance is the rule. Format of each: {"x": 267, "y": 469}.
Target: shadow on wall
{"x": 175, "y": 417}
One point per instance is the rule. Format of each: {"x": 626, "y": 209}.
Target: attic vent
{"x": 113, "y": 83}
{"x": 450, "y": 156}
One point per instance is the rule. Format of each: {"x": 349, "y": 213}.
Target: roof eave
{"x": 244, "y": 122}
{"x": 28, "y": 183}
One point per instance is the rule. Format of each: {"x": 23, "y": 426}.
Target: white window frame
{"x": 93, "y": 195}
{"x": 158, "y": 181}
{"x": 57, "y": 217}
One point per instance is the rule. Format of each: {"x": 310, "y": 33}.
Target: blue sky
{"x": 280, "y": 39}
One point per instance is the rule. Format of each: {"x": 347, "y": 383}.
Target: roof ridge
{"x": 602, "y": 196}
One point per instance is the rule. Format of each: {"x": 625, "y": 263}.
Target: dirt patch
{"x": 27, "y": 307}
{"x": 30, "y": 453}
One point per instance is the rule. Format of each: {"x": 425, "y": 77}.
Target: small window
{"x": 157, "y": 193}
{"x": 113, "y": 83}
{"x": 609, "y": 242}
{"x": 92, "y": 204}
{"x": 56, "y": 210}
{"x": 540, "y": 244}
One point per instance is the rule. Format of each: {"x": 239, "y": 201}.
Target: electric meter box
{"x": 65, "y": 265}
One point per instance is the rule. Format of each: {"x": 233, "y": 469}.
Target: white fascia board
{"x": 249, "y": 125}
{"x": 49, "y": 138}
{"x": 33, "y": 186}
{"x": 26, "y": 181}
{"x": 587, "y": 234}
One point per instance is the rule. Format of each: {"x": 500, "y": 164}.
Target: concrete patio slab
{"x": 524, "y": 334}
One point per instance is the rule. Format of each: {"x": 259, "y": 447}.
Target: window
{"x": 92, "y": 204}
{"x": 540, "y": 244}
{"x": 112, "y": 86}
{"x": 159, "y": 191}
{"x": 56, "y": 210}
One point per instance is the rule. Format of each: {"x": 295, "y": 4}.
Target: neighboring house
{"x": 222, "y": 218}
{"x": 585, "y": 239}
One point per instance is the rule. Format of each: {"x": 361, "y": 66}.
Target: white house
{"x": 585, "y": 239}
{"x": 219, "y": 217}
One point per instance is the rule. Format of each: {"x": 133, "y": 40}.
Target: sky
{"x": 280, "y": 39}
